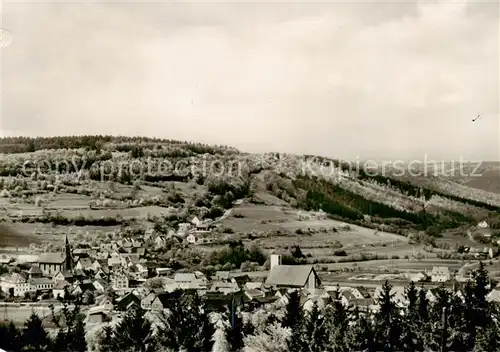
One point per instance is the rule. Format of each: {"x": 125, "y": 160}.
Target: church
{"x": 52, "y": 263}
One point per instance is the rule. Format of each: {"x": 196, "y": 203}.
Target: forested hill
{"x": 224, "y": 174}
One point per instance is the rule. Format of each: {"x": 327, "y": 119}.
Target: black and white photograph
{"x": 249, "y": 176}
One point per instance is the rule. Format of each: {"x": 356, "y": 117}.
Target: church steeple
{"x": 68, "y": 263}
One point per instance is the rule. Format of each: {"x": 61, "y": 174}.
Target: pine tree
{"x": 10, "y": 337}
{"x": 487, "y": 338}
{"x": 34, "y": 337}
{"x": 207, "y": 330}
{"x": 293, "y": 313}
{"x": 423, "y": 305}
{"x": 336, "y": 323}
{"x": 71, "y": 334}
{"x": 361, "y": 335}
{"x": 387, "y": 321}
{"x": 436, "y": 312}
{"x": 410, "y": 339}
{"x": 78, "y": 342}
{"x": 106, "y": 340}
{"x": 315, "y": 332}
{"x": 482, "y": 286}
{"x": 134, "y": 333}
{"x": 186, "y": 324}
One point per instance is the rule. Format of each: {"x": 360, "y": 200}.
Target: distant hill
{"x": 208, "y": 179}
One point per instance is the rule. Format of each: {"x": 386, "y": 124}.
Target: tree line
{"x": 451, "y": 322}
{"x": 96, "y": 142}
{"x": 336, "y": 200}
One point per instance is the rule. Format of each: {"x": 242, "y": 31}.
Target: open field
{"x": 20, "y": 313}
{"x": 37, "y": 232}
{"x": 247, "y": 218}
{"x": 130, "y": 213}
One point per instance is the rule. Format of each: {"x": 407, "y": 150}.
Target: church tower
{"x": 68, "y": 261}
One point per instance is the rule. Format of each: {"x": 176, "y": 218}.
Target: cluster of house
{"x": 75, "y": 272}
{"x": 78, "y": 271}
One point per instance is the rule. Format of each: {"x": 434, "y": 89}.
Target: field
{"x": 20, "y": 313}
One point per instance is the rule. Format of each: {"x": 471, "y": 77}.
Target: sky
{"x": 393, "y": 80}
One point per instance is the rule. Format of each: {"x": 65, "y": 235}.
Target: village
{"x": 115, "y": 276}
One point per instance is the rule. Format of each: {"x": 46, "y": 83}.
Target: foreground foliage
{"x": 451, "y": 322}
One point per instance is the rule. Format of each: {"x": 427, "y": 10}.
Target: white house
{"x": 440, "y": 274}
{"x": 119, "y": 281}
{"x": 160, "y": 241}
{"x": 14, "y": 284}
{"x": 191, "y": 239}
{"x": 196, "y": 222}
{"x": 482, "y": 225}
{"x": 58, "y": 289}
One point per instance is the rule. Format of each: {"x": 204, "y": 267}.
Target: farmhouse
{"x": 440, "y": 274}
{"x": 58, "y": 289}
{"x": 293, "y": 276}
{"x": 14, "y": 285}
{"x": 63, "y": 275}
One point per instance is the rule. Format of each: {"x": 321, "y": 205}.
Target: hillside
{"x": 97, "y": 184}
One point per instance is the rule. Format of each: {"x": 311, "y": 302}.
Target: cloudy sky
{"x": 380, "y": 80}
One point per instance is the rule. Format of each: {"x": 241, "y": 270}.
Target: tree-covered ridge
{"x": 96, "y": 142}
{"x": 460, "y": 319}
{"x": 332, "y": 198}
{"x": 408, "y": 188}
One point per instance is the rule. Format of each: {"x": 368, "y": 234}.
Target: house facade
{"x": 119, "y": 281}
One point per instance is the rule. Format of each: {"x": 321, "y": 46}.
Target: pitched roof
{"x": 51, "y": 258}
{"x": 35, "y": 269}
{"x": 61, "y": 285}
{"x": 85, "y": 262}
{"x": 185, "y": 277}
{"x": 222, "y": 275}
{"x": 289, "y": 275}
{"x": 97, "y": 310}
{"x": 67, "y": 274}
{"x": 40, "y": 281}
{"x": 14, "y": 278}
